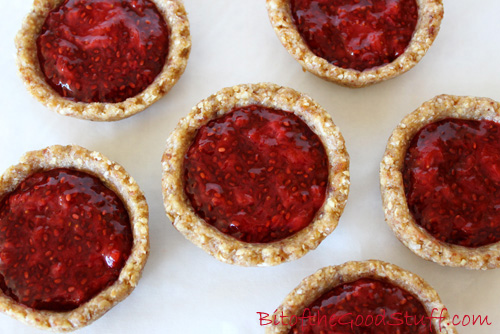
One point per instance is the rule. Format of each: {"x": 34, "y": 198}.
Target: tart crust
{"x": 221, "y": 246}
{"x": 430, "y": 15}
{"x": 397, "y": 214}
{"x": 174, "y": 15}
{"x": 118, "y": 180}
{"x": 325, "y": 279}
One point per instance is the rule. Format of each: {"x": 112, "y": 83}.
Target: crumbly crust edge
{"x": 29, "y": 68}
{"x": 430, "y": 15}
{"x": 396, "y": 211}
{"x": 325, "y": 279}
{"x": 116, "y": 178}
{"x": 211, "y": 240}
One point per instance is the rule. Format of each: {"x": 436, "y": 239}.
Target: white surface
{"x": 184, "y": 290}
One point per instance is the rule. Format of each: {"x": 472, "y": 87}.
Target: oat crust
{"x": 224, "y": 247}
{"x": 430, "y": 16}
{"x": 29, "y": 68}
{"x": 325, "y": 279}
{"x": 115, "y": 178}
{"x": 397, "y": 214}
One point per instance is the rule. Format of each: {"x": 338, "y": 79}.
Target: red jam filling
{"x": 364, "y": 306}
{"x": 64, "y": 237}
{"x": 452, "y": 181}
{"x": 359, "y": 34}
{"x": 102, "y": 50}
{"x": 256, "y": 174}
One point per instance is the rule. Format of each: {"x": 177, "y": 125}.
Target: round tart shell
{"x": 430, "y": 15}
{"x": 325, "y": 279}
{"x": 221, "y": 246}
{"x": 397, "y": 214}
{"x": 175, "y": 16}
{"x": 118, "y": 180}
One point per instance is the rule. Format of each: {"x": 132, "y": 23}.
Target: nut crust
{"x": 174, "y": 15}
{"x": 118, "y": 180}
{"x": 430, "y": 15}
{"x": 397, "y": 214}
{"x": 325, "y": 279}
{"x": 220, "y": 245}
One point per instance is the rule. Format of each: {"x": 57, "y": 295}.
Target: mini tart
{"x": 430, "y": 14}
{"x": 222, "y": 246}
{"x": 397, "y": 214}
{"x": 175, "y": 16}
{"x": 326, "y": 279}
{"x": 121, "y": 183}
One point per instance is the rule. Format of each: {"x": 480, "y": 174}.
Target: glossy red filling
{"x": 256, "y": 174}
{"x": 64, "y": 237}
{"x": 359, "y": 34}
{"x": 102, "y": 50}
{"x": 365, "y": 306}
{"x": 452, "y": 181}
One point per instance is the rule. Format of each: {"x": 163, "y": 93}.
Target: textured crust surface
{"x": 430, "y": 16}
{"x": 397, "y": 214}
{"x": 214, "y": 242}
{"x": 29, "y": 68}
{"x": 118, "y": 180}
{"x": 325, "y": 279}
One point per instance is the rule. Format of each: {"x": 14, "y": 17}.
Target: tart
{"x": 440, "y": 185}
{"x": 357, "y": 297}
{"x": 255, "y": 175}
{"x": 73, "y": 237}
{"x": 102, "y": 60}
{"x": 354, "y": 44}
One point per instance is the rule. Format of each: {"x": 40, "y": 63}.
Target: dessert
{"x": 255, "y": 175}
{"x": 369, "y": 296}
{"x": 102, "y": 60}
{"x": 263, "y": 155}
{"x": 73, "y": 237}
{"x": 356, "y": 44}
{"x": 439, "y": 181}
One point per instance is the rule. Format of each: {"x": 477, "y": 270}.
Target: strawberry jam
{"x": 256, "y": 174}
{"x": 356, "y": 34}
{"x": 364, "y": 306}
{"x": 64, "y": 237}
{"x": 452, "y": 181}
{"x": 102, "y": 50}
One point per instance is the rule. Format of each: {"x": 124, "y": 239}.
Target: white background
{"x": 184, "y": 290}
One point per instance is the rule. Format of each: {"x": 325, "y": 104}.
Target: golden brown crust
{"x": 397, "y": 214}
{"x": 430, "y": 16}
{"x": 224, "y": 247}
{"x": 29, "y": 68}
{"x": 117, "y": 179}
{"x": 325, "y": 279}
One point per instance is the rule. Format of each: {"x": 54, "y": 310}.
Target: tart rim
{"x": 397, "y": 214}
{"x": 223, "y": 247}
{"x": 174, "y": 14}
{"x": 325, "y": 279}
{"x": 119, "y": 181}
{"x": 430, "y": 15}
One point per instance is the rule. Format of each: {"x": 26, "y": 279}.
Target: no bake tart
{"x": 356, "y": 43}
{"x": 357, "y": 297}
{"x": 102, "y": 60}
{"x": 73, "y": 237}
{"x": 255, "y": 175}
{"x": 440, "y": 185}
